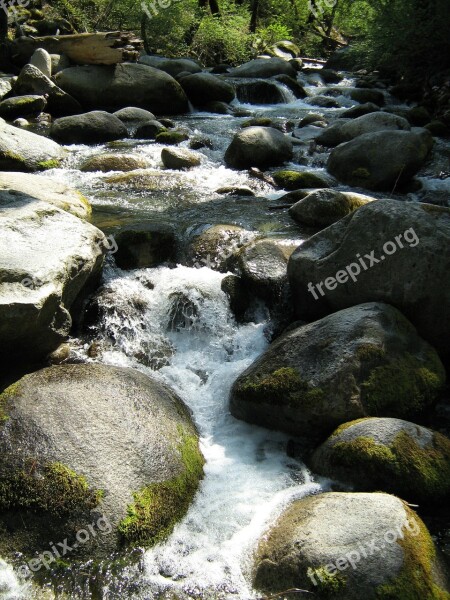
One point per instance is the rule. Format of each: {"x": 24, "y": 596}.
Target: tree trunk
{"x": 254, "y": 17}
{"x": 3, "y": 24}
{"x": 82, "y": 48}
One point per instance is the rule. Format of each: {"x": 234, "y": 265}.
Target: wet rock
{"x": 238, "y": 296}
{"x": 113, "y": 162}
{"x": 214, "y": 245}
{"x": 172, "y": 138}
{"x": 310, "y": 119}
{"x": 382, "y": 160}
{"x": 322, "y": 208}
{"x": 202, "y": 88}
{"x": 22, "y": 150}
{"x": 149, "y": 130}
{"x": 359, "y": 110}
{"x": 22, "y": 106}
{"x": 366, "y": 360}
{"x": 296, "y": 180}
{"x": 323, "y": 544}
{"x": 179, "y": 158}
{"x": 259, "y": 91}
{"x": 323, "y": 101}
{"x": 94, "y": 127}
{"x": 264, "y": 68}
{"x": 292, "y": 84}
{"x": 132, "y": 116}
{"x": 330, "y": 76}
{"x": 363, "y": 96}
{"x": 112, "y": 87}
{"x": 218, "y": 107}
{"x": 258, "y": 147}
{"x": 129, "y": 462}
{"x": 389, "y": 455}
{"x": 235, "y": 191}
{"x": 172, "y": 66}
{"x": 146, "y": 245}
{"x": 418, "y": 266}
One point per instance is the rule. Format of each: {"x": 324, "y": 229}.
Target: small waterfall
{"x": 263, "y": 91}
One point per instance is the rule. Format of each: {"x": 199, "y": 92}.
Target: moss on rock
{"x": 171, "y": 138}
{"x": 48, "y": 164}
{"x": 328, "y": 585}
{"x": 296, "y": 180}
{"x": 159, "y": 506}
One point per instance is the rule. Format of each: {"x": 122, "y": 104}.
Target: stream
{"x": 249, "y": 478}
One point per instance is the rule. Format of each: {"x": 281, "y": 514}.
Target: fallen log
{"x": 82, "y": 48}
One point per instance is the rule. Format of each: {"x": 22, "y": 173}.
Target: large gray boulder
{"x": 362, "y": 361}
{"x": 259, "y": 91}
{"x": 22, "y": 106}
{"x": 94, "y": 127}
{"x": 47, "y": 190}
{"x": 22, "y": 150}
{"x": 172, "y": 66}
{"x": 49, "y": 259}
{"x": 114, "y": 87}
{"x": 390, "y": 455}
{"x": 380, "y": 160}
{"x": 410, "y": 277}
{"x": 84, "y": 442}
{"x": 32, "y": 81}
{"x": 350, "y": 546}
{"x": 264, "y": 68}
{"x": 376, "y": 121}
{"x": 179, "y": 158}
{"x": 202, "y": 88}
{"x": 258, "y": 147}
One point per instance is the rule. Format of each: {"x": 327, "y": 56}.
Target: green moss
{"x": 361, "y": 173}
{"x": 296, "y": 180}
{"x": 48, "y": 164}
{"x": 404, "y": 387}
{"x": 8, "y": 394}
{"x": 7, "y": 155}
{"x": 406, "y": 468}
{"x": 171, "y": 138}
{"x": 158, "y": 507}
{"x": 257, "y": 122}
{"x": 369, "y": 352}
{"x": 345, "y": 426}
{"x": 283, "y": 386}
{"x": 55, "y": 489}
{"x": 327, "y": 585}
{"x": 415, "y": 580}
{"x": 86, "y": 203}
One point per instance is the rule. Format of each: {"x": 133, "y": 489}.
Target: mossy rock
{"x": 258, "y": 121}
{"x": 322, "y": 208}
{"x": 390, "y": 455}
{"x": 296, "y": 180}
{"x": 171, "y": 138}
{"x": 113, "y": 162}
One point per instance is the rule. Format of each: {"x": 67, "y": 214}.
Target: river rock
{"x": 32, "y": 81}
{"x": 350, "y": 546}
{"x": 297, "y": 180}
{"x": 179, "y": 158}
{"x": 112, "y": 87}
{"x": 410, "y": 279}
{"x": 214, "y": 245}
{"x": 259, "y": 91}
{"x": 94, "y": 127}
{"x": 47, "y": 190}
{"x": 133, "y": 116}
{"x": 391, "y": 455}
{"x": 6, "y": 83}
{"x": 22, "y": 150}
{"x": 83, "y": 442}
{"x": 149, "y": 130}
{"x": 202, "y": 88}
{"x": 113, "y": 162}
{"x": 172, "y": 66}
{"x": 365, "y": 95}
{"x": 369, "y": 123}
{"x": 381, "y": 160}
{"x": 59, "y": 260}
{"x": 359, "y": 110}
{"x": 43, "y": 61}
{"x": 264, "y": 68}
{"x": 145, "y": 245}
{"x": 260, "y": 147}
{"x": 363, "y": 361}
{"x": 323, "y": 102}
{"x": 22, "y": 106}
{"x": 292, "y": 84}
{"x": 322, "y": 208}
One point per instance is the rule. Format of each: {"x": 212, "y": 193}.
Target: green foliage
{"x": 328, "y": 585}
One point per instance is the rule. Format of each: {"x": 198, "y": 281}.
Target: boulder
{"x": 179, "y": 158}
{"x": 381, "y": 160}
{"x": 296, "y": 180}
{"x": 359, "y": 110}
{"x": 350, "y": 546}
{"x": 292, "y": 84}
{"x": 202, "y": 88}
{"x": 59, "y": 62}
{"x": 330, "y": 75}
{"x": 149, "y": 130}
{"x": 366, "y": 360}
{"x": 60, "y": 259}
{"x": 113, "y": 162}
{"x": 172, "y": 66}
{"x": 171, "y": 138}
{"x": 285, "y": 50}
{"x": 370, "y": 123}
{"x": 312, "y": 118}
{"x": 260, "y": 147}
{"x": 214, "y": 245}
{"x": 112, "y": 87}
{"x": 264, "y": 68}
{"x": 145, "y": 245}
{"x": 94, "y": 444}
{"x": 322, "y": 208}
{"x": 5, "y": 85}
{"x": 47, "y": 190}
{"x": 22, "y": 150}
{"x": 22, "y": 106}
{"x": 259, "y": 91}
{"x": 409, "y": 278}
{"x": 134, "y": 117}
{"x": 364, "y": 95}
{"x": 42, "y": 60}
{"x": 390, "y": 455}
{"x": 219, "y": 108}
{"x": 32, "y": 81}
{"x": 323, "y": 102}
{"x": 94, "y": 127}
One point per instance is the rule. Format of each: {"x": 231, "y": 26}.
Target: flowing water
{"x": 183, "y": 314}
